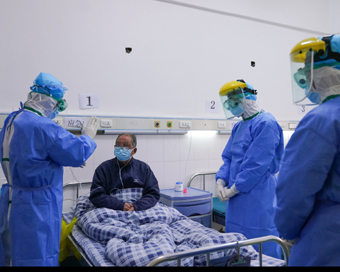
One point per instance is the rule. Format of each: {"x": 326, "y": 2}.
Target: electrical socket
{"x": 105, "y": 123}
{"x": 185, "y": 124}
{"x": 221, "y": 124}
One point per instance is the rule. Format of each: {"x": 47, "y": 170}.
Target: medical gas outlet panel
{"x": 111, "y": 125}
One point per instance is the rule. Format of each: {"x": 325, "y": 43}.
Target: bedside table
{"x": 195, "y": 203}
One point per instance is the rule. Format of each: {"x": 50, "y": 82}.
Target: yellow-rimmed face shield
{"x": 233, "y": 98}
{"x": 302, "y": 67}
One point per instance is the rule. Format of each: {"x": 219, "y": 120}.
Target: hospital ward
{"x": 169, "y": 133}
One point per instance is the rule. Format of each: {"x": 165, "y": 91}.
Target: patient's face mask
{"x": 123, "y": 153}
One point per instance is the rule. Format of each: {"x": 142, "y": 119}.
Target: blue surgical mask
{"x": 313, "y": 97}
{"x": 122, "y": 154}
{"x": 239, "y": 109}
{"x": 53, "y": 114}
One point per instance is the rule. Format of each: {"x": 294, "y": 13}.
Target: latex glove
{"x": 229, "y": 193}
{"x": 220, "y": 190}
{"x": 91, "y": 127}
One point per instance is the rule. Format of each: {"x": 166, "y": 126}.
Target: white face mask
{"x": 326, "y": 82}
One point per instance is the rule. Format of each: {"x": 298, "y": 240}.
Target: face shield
{"x": 302, "y": 80}
{"x": 233, "y": 103}
{"x": 302, "y": 70}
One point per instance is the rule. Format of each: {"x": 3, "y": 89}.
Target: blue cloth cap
{"x": 249, "y": 85}
{"x": 248, "y": 95}
{"x": 331, "y": 57}
{"x": 46, "y": 83}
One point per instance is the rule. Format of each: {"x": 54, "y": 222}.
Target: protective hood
{"x": 326, "y": 82}
{"x": 41, "y": 104}
{"x": 251, "y": 108}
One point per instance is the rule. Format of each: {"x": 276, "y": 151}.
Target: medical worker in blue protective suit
{"x": 34, "y": 150}
{"x": 308, "y": 190}
{"x": 251, "y": 159}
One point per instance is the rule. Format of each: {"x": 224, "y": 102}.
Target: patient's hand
{"x": 128, "y": 207}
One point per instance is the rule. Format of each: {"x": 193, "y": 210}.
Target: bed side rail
{"x": 78, "y": 184}
{"x": 215, "y": 248}
{"x": 200, "y": 174}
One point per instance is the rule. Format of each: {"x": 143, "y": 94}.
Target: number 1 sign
{"x": 88, "y": 101}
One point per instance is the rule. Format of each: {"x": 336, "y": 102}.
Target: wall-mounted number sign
{"x": 212, "y": 106}
{"x": 303, "y": 110}
{"x": 88, "y": 101}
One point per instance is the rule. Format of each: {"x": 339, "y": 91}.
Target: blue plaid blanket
{"x": 136, "y": 238}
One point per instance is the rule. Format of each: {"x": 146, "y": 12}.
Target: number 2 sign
{"x": 88, "y": 101}
{"x": 211, "y": 106}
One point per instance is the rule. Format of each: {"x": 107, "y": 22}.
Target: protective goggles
{"x": 62, "y": 104}
{"x": 233, "y": 102}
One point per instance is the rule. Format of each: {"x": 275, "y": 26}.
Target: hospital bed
{"x": 93, "y": 252}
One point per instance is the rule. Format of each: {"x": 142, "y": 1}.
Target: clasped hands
{"x": 224, "y": 193}
{"x": 128, "y": 207}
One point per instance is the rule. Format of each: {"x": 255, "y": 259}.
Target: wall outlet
{"x": 185, "y": 124}
{"x": 221, "y": 124}
{"x": 105, "y": 123}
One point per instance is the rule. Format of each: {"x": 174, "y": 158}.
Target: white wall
{"x": 181, "y": 55}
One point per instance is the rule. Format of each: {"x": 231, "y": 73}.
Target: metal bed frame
{"x": 214, "y": 218}
{"x": 191, "y": 253}
{"x": 215, "y": 248}
{"x": 200, "y": 174}
{"x": 85, "y": 261}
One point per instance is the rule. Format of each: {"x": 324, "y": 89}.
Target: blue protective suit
{"x": 251, "y": 159}
{"x": 308, "y": 191}
{"x": 38, "y": 151}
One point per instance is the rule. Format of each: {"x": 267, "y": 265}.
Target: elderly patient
{"x": 123, "y": 172}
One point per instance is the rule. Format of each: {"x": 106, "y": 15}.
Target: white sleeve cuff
{"x": 234, "y": 189}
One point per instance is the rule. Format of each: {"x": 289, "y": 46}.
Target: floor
{"x": 70, "y": 261}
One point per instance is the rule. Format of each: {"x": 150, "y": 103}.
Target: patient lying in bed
{"x": 136, "y": 238}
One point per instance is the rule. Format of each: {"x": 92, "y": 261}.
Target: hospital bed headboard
{"x": 77, "y": 184}
{"x": 200, "y": 174}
